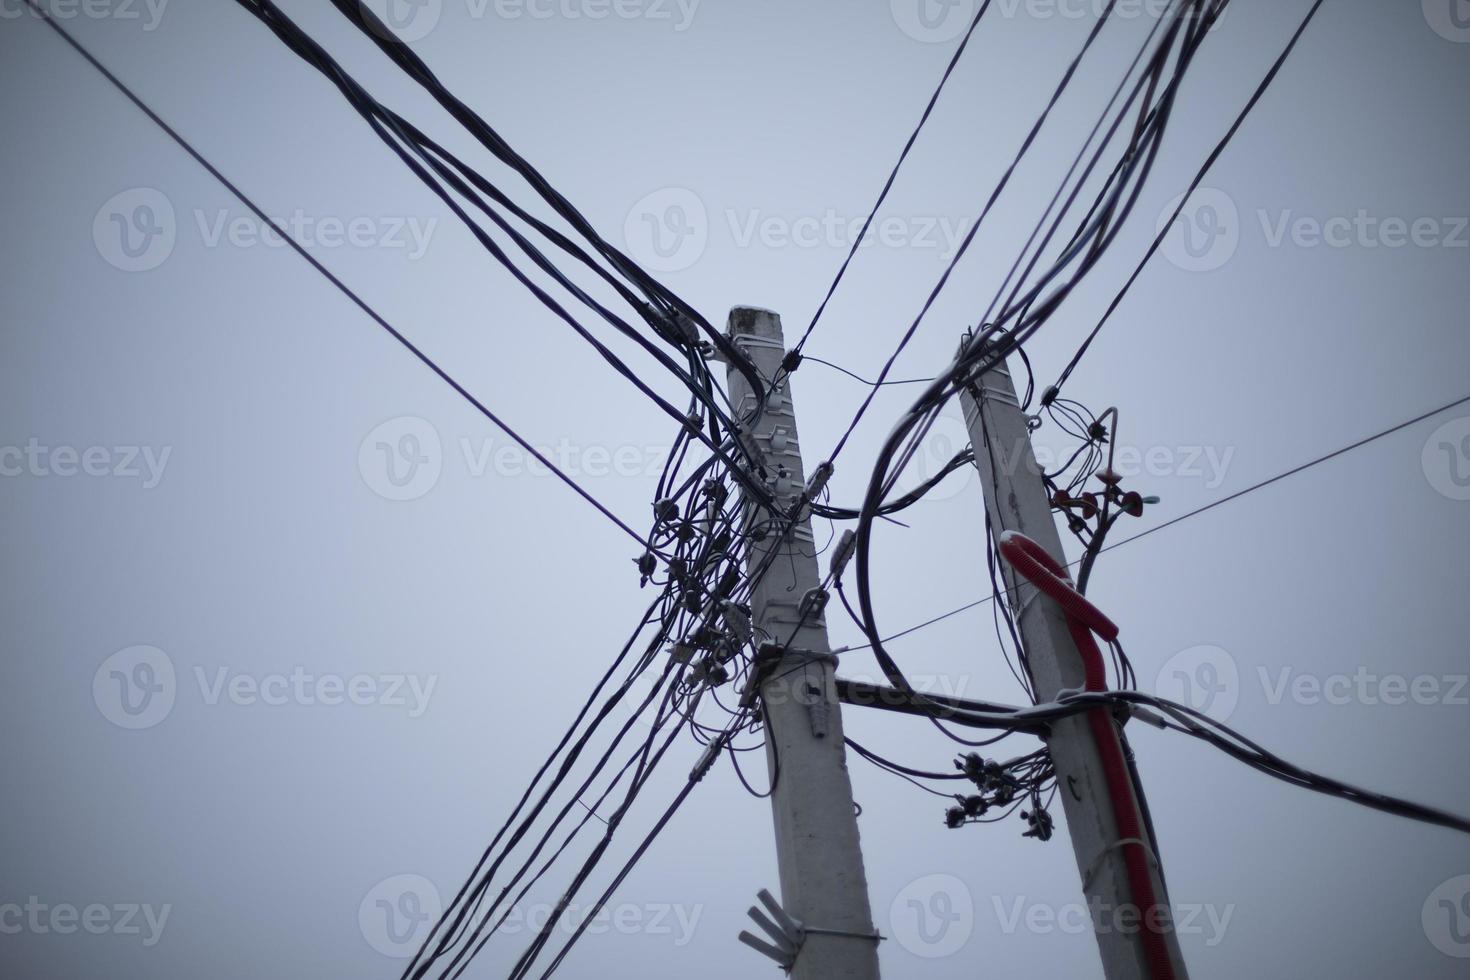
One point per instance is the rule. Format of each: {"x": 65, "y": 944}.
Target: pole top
{"x": 753, "y": 320}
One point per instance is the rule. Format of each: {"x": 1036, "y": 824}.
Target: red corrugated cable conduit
{"x": 1031, "y": 561}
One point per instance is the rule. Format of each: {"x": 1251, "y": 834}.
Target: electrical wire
{"x": 893, "y": 174}
{"x": 1293, "y": 471}
{"x": 1194, "y": 185}
{"x": 342, "y": 287}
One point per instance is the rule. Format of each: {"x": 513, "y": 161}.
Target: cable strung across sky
{"x": 331, "y": 277}
{"x": 700, "y": 553}
{"x": 671, "y": 610}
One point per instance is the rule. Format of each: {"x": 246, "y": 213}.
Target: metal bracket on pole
{"x": 771, "y": 654}
{"x": 788, "y": 934}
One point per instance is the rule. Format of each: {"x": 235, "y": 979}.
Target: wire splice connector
{"x": 737, "y": 619}
{"x": 818, "y": 481}
{"x": 842, "y": 554}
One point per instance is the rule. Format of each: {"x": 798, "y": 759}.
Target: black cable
{"x": 905, "y": 770}
{"x": 341, "y": 286}
{"x": 362, "y": 304}
{"x": 397, "y": 133}
{"x": 1194, "y": 185}
{"x": 1291, "y": 472}
{"x": 888, "y": 184}
{"x": 642, "y": 849}
{"x": 975, "y": 228}
{"x": 856, "y": 377}
{"x": 1194, "y": 722}
{"x": 663, "y": 298}
{"x": 1189, "y": 514}
{"x": 993, "y": 342}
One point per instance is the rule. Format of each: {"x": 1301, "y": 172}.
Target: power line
{"x": 858, "y": 377}
{"x": 426, "y": 159}
{"x": 888, "y": 184}
{"x": 330, "y": 276}
{"x": 984, "y": 349}
{"x": 1193, "y": 513}
{"x": 646, "y": 765}
{"x": 1291, "y": 472}
{"x": 377, "y": 318}
{"x": 1194, "y": 185}
{"x": 1000, "y": 187}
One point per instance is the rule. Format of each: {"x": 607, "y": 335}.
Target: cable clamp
{"x": 818, "y": 481}
{"x": 756, "y": 340}
{"x": 775, "y": 653}
{"x": 1103, "y": 854}
{"x": 1026, "y": 600}
{"x": 706, "y": 761}
{"x": 876, "y": 937}
{"x": 988, "y": 393}
{"x": 814, "y": 602}
{"x": 842, "y": 554}
{"x": 1145, "y": 715}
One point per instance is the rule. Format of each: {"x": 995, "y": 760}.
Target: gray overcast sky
{"x": 244, "y": 527}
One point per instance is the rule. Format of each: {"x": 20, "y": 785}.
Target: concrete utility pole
{"x": 821, "y": 863}
{"x": 1016, "y": 500}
